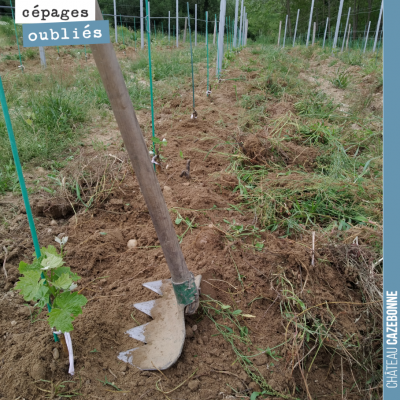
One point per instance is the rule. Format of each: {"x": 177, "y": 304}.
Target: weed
{"x": 189, "y": 223}
{"x": 341, "y": 80}
{"x": 229, "y": 326}
{"x": 107, "y": 383}
{"x": 57, "y": 390}
{"x": 316, "y": 105}
{"x": 251, "y": 101}
{"x": 8, "y": 178}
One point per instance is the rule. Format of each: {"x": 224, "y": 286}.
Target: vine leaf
{"x": 63, "y": 282}
{"x": 66, "y": 307}
{"x": 52, "y": 261}
{"x": 30, "y": 284}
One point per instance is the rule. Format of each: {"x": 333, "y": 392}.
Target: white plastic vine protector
{"x": 68, "y": 340}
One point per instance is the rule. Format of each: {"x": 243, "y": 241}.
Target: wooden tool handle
{"x": 111, "y": 75}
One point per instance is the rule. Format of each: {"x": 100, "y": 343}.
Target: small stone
{"x": 254, "y": 387}
{"x": 194, "y": 385}
{"x": 189, "y": 332}
{"x": 186, "y": 184}
{"x": 53, "y": 366}
{"x": 38, "y": 372}
{"x": 167, "y": 188}
{"x": 123, "y": 368}
{"x": 260, "y": 360}
{"x": 49, "y": 230}
{"x": 53, "y": 222}
{"x": 132, "y": 244}
{"x": 244, "y": 377}
{"x": 194, "y": 328}
{"x": 56, "y": 354}
{"x": 24, "y": 312}
{"x": 13, "y": 323}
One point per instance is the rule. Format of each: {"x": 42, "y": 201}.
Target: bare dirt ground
{"x": 112, "y": 276}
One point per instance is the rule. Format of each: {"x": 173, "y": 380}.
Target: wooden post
{"x": 295, "y": 29}
{"x": 42, "y": 57}
{"x": 184, "y": 32}
{"x": 345, "y": 29}
{"x": 241, "y": 24}
{"x": 348, "y": 37}
{"x": 177, "y": 23}
{"x": 195, "y": 25}
{"x": 309, "y": 23}
{"x": 284, "y": 36}
{"x": 169, "y": 26}
{"x": 121, "y": 103}
{"x": 366, "y": 38}
{"x": 326, "y": 27}
{"x": 279, "y": 34}
{"x": 236, "y": 22}
{"x": 313, "y": 35}
{"x": 115, "y": 21}
{"x": 378, "y": 26}
{"x": 221, "y": 32}
{"x": 337, "y": 25}
{"x": 141, "y": 24}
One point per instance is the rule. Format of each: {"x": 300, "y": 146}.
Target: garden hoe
{"x": 165, "y": 335}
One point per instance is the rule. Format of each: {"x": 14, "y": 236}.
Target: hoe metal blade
{"x": 164, "y": 336}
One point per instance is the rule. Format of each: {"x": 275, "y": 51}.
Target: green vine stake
{"x": 148, "y": 27}
{"x": 208, "y": 65}
{"x": 23, "y": 190}
{"x": 16, "y": 35}
{"x": 194, "y": 115}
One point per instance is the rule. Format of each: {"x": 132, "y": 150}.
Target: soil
{"x": 112, "y": 275}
